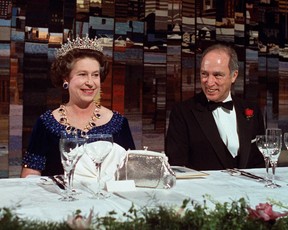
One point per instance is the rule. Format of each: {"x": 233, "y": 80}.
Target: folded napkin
{"x": 86, "y": 169}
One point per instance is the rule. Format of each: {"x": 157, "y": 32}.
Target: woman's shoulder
{"x": 47, "y": 116}
{"x": 117, "y": 118}
{"x": 106, "y": 115}
{"x": 48, "y": 120}
{"x": 114, "y": 125}
{"x": 109, "y": 115}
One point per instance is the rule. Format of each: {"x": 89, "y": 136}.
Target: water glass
{"x": 274, "y": 149}
{"x": 98, "y": 148}
{"x": 71, "y": 149}
{"x": 261, "y": 143}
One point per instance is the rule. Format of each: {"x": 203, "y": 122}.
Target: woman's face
{"x": 84, "y": 81}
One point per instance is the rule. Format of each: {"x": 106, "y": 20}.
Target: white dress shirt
{"x": 226, "y": 122}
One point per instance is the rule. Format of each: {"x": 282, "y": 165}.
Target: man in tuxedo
{"x": 214, "y": 129}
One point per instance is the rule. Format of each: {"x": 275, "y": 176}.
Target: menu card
{"x": 187, "y": 173}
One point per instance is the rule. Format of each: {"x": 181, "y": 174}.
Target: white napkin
{"x": 86, "y": 169}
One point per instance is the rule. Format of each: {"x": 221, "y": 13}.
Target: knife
{"x": 59, "y": 184}
{"x": 244, "y": 173}
{"x": 247, "y": 174}
{"x": 250, "y": 175}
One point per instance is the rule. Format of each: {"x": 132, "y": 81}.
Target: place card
{"x": 120, "y": 185}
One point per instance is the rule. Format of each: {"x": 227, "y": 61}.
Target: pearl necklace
{"x": 71, "y": 129}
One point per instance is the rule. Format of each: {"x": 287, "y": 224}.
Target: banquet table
{"x": 33, "y": 199}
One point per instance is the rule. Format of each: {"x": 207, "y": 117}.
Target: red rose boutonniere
{"x": 249, "y": 113}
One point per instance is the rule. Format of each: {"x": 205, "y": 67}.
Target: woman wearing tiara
{"x": 79, "y": 68}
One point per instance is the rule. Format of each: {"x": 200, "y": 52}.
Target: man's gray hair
{"x": 233, "y": 57}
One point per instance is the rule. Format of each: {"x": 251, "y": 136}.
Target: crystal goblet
{"x": 262, "y": 146}
{"x": 98, "y": 147}
{"x": 71, "y": 149}
{"x": 285, "y": 139}
{"x": 274, "y": 150}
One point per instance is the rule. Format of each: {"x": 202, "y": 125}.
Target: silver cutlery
{"x": 57, "y": 182}
{"x": 239, "y": 172}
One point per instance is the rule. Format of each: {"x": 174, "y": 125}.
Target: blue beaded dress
{"x": 43, "y": 150}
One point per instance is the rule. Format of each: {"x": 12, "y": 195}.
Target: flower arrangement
{"x": 265, "y": 212}
{"x": 191, "y": 215}
{"x": 249, "y": 113}
{"x": 79, "y": 222}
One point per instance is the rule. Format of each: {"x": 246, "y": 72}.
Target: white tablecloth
{"x": 218, "y": 185}
{"x": 29, "y": 197}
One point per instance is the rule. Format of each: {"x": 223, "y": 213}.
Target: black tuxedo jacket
{"x": 193, "y": 139}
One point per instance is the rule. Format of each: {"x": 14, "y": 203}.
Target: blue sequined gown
{"x": 43, "y": 150}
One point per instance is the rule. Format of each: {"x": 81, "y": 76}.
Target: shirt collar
{"x": 228, "y": 98}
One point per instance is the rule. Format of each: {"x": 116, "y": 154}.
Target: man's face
{"x": 215, "y": 76}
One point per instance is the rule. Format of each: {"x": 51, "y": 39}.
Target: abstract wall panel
{"x": 153, "y": 47}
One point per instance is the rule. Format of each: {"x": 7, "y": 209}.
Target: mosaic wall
{"x": 154, "y": 48}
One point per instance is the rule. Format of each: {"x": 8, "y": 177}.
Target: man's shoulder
{"x": 242, "y": 105}
{"x": 245, "y": 102}
{"x": 190, "y": 103}
{"x": 185, "y": 103}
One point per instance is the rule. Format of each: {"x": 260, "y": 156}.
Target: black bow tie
{"x": 214, "y": 105}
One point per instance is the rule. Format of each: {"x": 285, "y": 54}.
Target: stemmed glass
{"x": 274, "y": 149}
{"x": 275, "y": 132}
{"x": 71, "y": 149}
{"x": 285, "y": 139}
{"x": 262, "y": 146}
{"x": 98, "y": 147}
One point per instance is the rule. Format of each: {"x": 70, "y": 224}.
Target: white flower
{"x": 79, "y": 222}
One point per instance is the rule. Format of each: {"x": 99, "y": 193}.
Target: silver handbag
{"x": 148, "y": 169}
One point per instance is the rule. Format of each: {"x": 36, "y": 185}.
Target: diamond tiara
{"x": 79, "y": 43}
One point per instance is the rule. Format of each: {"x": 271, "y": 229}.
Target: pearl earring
{"x": 65, "y": 85}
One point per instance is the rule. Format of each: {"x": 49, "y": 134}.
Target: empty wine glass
{"x": 64, "y": 179}
{"x": 285, "y": 139}
{"x": 274, "y": 158}
{"x": 71, "y": 149}
{"x": 98, "y": 147}
{"x": 275, "y": 132}
{"x": 274, "y": 150}
{"x": 262, "y": 146}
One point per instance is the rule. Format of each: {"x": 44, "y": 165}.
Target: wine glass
{"x": 275, "y": 132}
{"x": 71, "y": 149}
{"x": 285, "y": 139}
{"x": 262, "y": 146}
{"x": 274, "y": 157}
{"x": 274, "y": 149}
{"x": 98, "y": 147}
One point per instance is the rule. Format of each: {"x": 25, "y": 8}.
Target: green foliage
{"x": 9, "y": 221}
{"x": 191, "y": 215}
